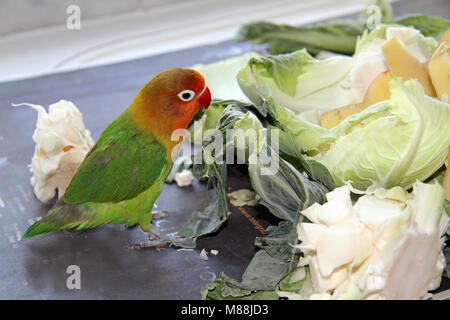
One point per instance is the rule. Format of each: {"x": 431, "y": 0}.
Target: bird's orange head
{"x": 169, "y": 101}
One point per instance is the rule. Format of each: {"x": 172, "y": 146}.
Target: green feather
{"x": 91, "y": 214}
{"x": 117, "y": 182}
{"x": 124, "y": 162}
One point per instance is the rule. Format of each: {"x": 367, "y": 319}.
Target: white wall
{"x": 23, "y": 15}
{"x": 34, "y": 39}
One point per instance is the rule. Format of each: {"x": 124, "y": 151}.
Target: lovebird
{"x": 124, "y": 173}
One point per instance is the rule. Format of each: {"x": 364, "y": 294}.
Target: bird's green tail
{"x": 91, "y": 215}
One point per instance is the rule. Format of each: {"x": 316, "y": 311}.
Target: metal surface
{"x": 36, "y": 269}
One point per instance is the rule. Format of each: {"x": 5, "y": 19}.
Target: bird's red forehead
{"x": 177, "y": 79}
{"x": 193, "y": 80}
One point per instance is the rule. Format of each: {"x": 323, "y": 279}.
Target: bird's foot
{"x": 156, "y": 215}
{"x": 157, "y": 240}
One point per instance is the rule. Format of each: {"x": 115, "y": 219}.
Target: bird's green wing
{"x": 93, "y": 214}
{"x": 124, "y": 162}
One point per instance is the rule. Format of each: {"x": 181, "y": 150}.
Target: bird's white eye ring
{"x": 186, "y": 95}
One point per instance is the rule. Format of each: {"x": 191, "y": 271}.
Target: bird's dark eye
{"x": 186, "y": 95}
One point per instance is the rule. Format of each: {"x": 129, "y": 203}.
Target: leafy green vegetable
{"x": 308, "y": 136}
{"x": 264, "y": 272}
{"x": 310, "y": 86}
{"x": 297, "y": 81}
{"x": 429, "y": 26}
{"x": 339, "y": 36}
{"x": 290, "y": 152}
{"x": 216, "y": 213}
{"x": 392, "y": 143}
{"x": 226, "y": 288}
{"x": 291, "y": 284}
{"x": 420, "y": 46}
{"x": 336, "y": 36}
{"x": 298, "y": 182}
{"x": 277, "y": 258}
{"x": 277, "y": 241}
{"x": 285, "y": 193}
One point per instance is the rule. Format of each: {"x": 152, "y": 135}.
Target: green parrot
{"x": 124, "y": 173}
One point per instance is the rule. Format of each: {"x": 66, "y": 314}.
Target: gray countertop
{"x": 110, "y": 269}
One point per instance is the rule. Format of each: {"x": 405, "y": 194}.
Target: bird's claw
{"x": 157, "y": 240}
{"x": 159, "y": 214}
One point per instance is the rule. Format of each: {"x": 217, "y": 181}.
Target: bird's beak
{"x": 205, "y": 98}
